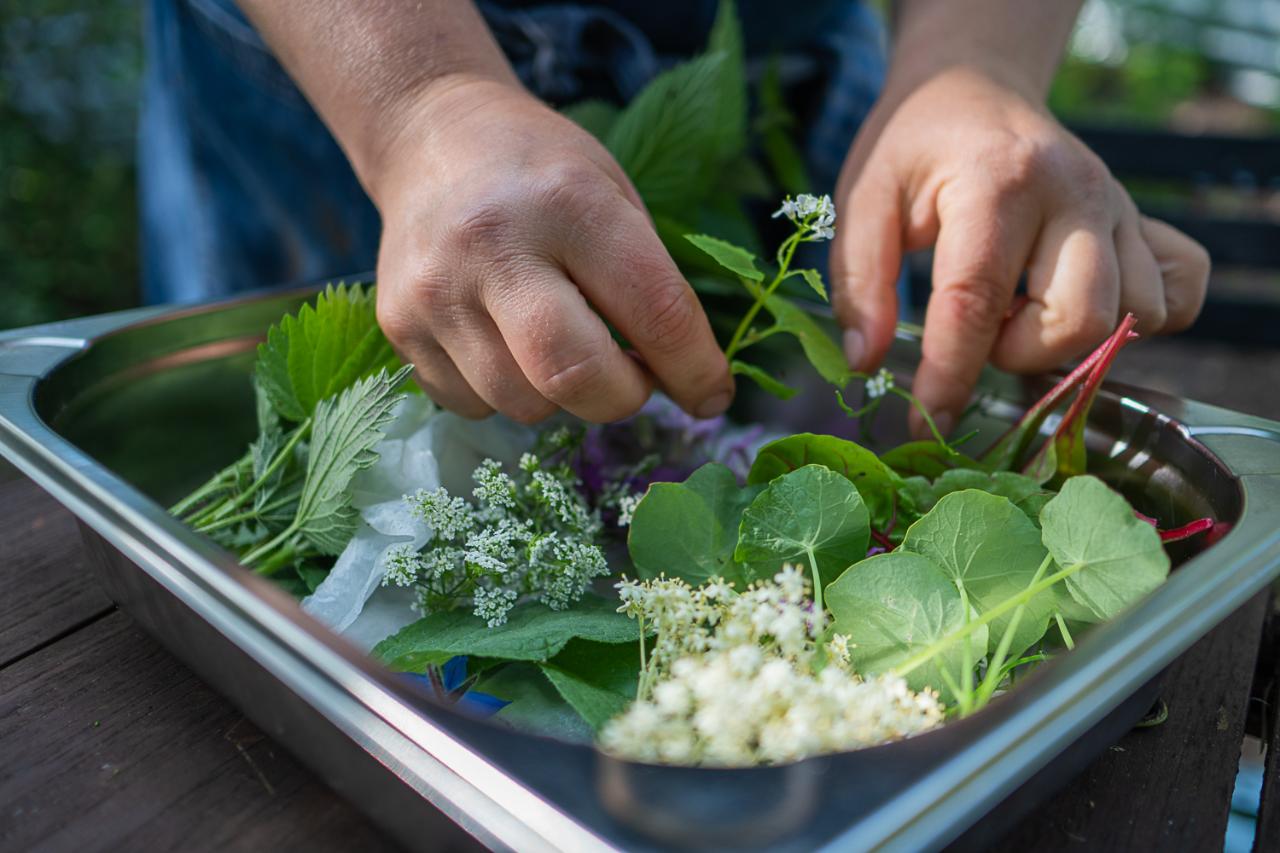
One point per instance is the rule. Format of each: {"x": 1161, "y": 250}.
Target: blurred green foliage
{"x": 68, "y": 108}
{"x": 1141, "y": 91}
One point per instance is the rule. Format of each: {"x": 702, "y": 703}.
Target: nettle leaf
{"x": 533, "y": 632}
{"x": 597, "y": 679}
{"x": 665, "y": 138}
{"x": 593, "y": 115}
{"x": 985, "y": 543}
{"x": 322, "y": 350}
{"x": 757, "y": 375}
{"x": 822, "y": 352}
{"x": 877, "y": 484}
{"x": 689, "y": 530}
{"x": 812, "y": 517}
{"x": 895, "y": 606}
{"x": 345, "y": 431}
{"x": 1120, "y": 556}
{"x": 535, "y": 705}
{"x": 737, "y": 260}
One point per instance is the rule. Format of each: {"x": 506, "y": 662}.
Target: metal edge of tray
{"x": 1112, "y": 661}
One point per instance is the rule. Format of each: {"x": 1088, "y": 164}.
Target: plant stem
{"x": 926, "y": 654}
{"x": 785, "y": 253}
{"x": 248, "y": 514}
{"x": 817, "y": 582}
{"x": 269, "y": 546}
{"x": 928, "y": 419}
{"x": 214, "y": 484}
{"x": 280, "y": 459}
{"x": 966, "y": 657}
{"x": 995, "y": 665}
{"x": 1066, "y": 634}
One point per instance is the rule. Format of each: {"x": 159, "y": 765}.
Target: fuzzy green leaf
{"x": 322, "y": 350}
{"x": 345, "y": 431}
{"x": 689, "y": 530}
{"x": 1120, "y": 556}
{"x": 812, "y": 517}
{"x": 733, "y": 258}
{"x": 757, "y": 375}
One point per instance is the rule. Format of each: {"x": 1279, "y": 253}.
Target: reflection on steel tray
{"x": 117, "y": 415}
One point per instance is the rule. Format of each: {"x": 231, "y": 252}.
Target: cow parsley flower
{"x": 527, "y": 535}
{"x": 738, "y": 680}
{"x": 814, "y": 216}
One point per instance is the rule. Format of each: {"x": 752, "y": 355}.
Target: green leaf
{"x": 593, "y": 115}
{"x": 597, "y": 679}
{"x": 1006, "y": 484}
{"x": 1119, "y": 557}
{"x": 986, "y": 544}
{"x": 533, "y": 632}
{"x": 813, "y": 278}
{"x": 894, "y": 606}
{"x": 812, "y": 517}
{"x": 322, "y": 350}
{"x": 774, "y": 124}
{"x": 731, "y": 89}
{"x": 773, "y": 386}
{"x": 536, "y": 705}
{"x": 822, "y": 352}
{"x": 737, "y": 260}
{"x": 667, "y": 139}
{"x": 926, "y": 459}
{"x": 345, "y": 431}
{"x": 1033, "y": 505}
{"x": 689, "y": 530}
{"x": 874, "y": 480}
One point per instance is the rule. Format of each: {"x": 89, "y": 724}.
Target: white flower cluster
{"x": 740, "y": 680}
{"x": 627, "y": 508}
{"x": 532, "y": 537}
{"x": 879, "y": 385}
{"x": 814, "y": 214}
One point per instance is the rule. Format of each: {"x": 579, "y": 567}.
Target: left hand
{"x": 974, "y": 166}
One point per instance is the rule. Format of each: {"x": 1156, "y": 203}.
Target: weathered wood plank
{"x": 45, "y": 585}
{"x": 1267, "y": 834}
{"x": 109, "y": 742}
{"x": 1167, "y": 787}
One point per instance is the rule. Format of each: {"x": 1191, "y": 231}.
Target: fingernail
{"x": 714, "y": 405}
{"x": 854, "y": 347}
{"x": 944, "y": 421}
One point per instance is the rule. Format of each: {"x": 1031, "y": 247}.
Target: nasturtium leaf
{"x": 1119, "y": 556}
{"x": 689, "y": 530}
{"x": 767, "y": 382}
{"x": 593, "y": 115}
{"x": 823, "y": 353}
{"x": 322, "y": 350}
{"x": 895, "y": 606}
{"x": 733, "y": 258}
{"x": 812, "y": 517}
{"x": 927, "y": 459}
{"x": 877, "y": 484}
{"x": 813, "y": 278}
{"x": 346, "y": 429}
{"x": 1006, "y": 484}
{"x": 1033, "y": 504}
{"x": 985, "y": 543}
{"x": 533, "y": 632}
{"x": 597, "y": 679}
{"x": 536, "y": 706}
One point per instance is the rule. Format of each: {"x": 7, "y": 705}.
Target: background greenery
{"x": 69, "y": 74}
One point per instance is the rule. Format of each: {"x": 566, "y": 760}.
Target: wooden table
{"x": 107, "y": 742}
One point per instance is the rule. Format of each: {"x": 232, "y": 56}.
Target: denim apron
{"x": 241, "y": 186}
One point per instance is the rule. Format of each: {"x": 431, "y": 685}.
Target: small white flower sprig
{"x": 532, "y": 535}
{"x": 743, "y": 679}
{"x": 814, "y": 215}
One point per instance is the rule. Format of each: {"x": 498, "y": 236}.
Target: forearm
{"x": 368, "y": 66}
{"x": 1020, "y": 42}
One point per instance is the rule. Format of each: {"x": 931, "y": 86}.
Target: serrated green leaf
{"x": 758, "y": 375}
{"x": 822, "y": 352}
{"x": 322, "y": 350}
{"x": 733, "y": 258}
{"x": 813, "y": 278}
{"x": 345, "y": 430}
{"x": 533, "y": 632}
{"x": 689, "y": 530}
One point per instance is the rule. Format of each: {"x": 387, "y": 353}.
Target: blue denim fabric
{"x": 241, "y": 186}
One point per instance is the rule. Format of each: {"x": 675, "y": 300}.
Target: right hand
{"x": 508, "y": 233}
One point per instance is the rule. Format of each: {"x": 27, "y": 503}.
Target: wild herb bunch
{"x": 529, "y": 535}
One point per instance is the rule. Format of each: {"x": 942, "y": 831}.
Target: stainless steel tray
{"x": 117, "y": 415}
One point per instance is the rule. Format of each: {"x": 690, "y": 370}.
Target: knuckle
{"x": 1081, "y": 328}
{"x": 977, "y": 303}
{"x": 566, "y": 378}
{"x": 483, "y": 227}
{"x": 1016, "y": 163}
{"x": 668, "y": 316}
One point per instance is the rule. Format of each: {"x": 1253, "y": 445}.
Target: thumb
{"x": 866, "y": 256}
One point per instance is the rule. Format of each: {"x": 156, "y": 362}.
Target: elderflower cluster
{"x": 814, "y": 214}
{"x": 531, "y": 535}
{"x": 738, "y": 680}
{"x": 879, "y": 385}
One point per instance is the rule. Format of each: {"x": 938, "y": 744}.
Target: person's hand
{"x": 974, "y": 167}
{"x": 506, "y": 228}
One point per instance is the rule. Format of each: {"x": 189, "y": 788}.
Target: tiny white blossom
{"x": 626, "y": 509}
{"x": 814, "y": 215}
{"x": 879, "y": 385}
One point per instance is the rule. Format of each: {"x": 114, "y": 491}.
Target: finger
{"x": 1073, "y": 298}
{"x": 624, "y": 271}
{"x": 982, "y": 248}
{"x": 439, "y": 377}
{"x": 866, "y": 258}
{"x": 1141, "y": 285}
{"x": 483, "y": 360}
{"x": 564, "y": 349}
{"x": 1184, "y": 267}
